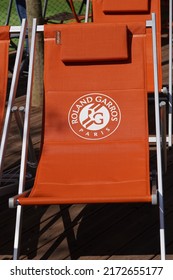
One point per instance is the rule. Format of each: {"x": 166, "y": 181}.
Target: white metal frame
{"x": 87, "y": 10}
{"x": 25, "y": 141}
{"x": 158, "y": 139}
{"x": 170, "y": 76}
{"x": 14, "y": 29}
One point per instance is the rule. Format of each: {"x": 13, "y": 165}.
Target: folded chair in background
{"x": 139, "y": 11}
{"x": 8, "y": 178}
{"x": 95, "y": 149}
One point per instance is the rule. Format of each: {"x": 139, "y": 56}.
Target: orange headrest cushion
{"x": 93, "y": 42}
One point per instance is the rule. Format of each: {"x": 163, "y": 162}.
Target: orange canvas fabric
{"x": 95, "y": 148}
{"x": 110, "y": 6}
{"x": 128, "y": 16}
{"x": 4, "y": 47}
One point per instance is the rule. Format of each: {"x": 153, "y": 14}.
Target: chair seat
{"x": 90, "y": 173}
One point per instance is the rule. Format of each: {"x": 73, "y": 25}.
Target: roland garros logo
{"x": 94, "y": 116}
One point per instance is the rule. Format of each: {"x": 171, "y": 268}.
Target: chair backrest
{"x": 95, "y": 149}
{"x": 4, "y": 48}
{"x": 129, "y": 12}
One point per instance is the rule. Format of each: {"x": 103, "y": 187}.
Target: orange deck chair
{"x": 128, "y": 11}
{"x": 95, "y": 149}
{"x": 5, "y": 114}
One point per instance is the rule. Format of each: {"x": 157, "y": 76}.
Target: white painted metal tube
{"x": 87, "y": 10}
{"x": 158, "y": 137}
{"x": 17, "y": 236}
{"x": 25, "y": 142}
{"x": 170, "y": 76}
{"x": 152, "y": 139}
{"x": 17, "y": 29}
{"x": 12, "y": 93}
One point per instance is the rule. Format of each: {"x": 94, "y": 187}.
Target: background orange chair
{"x": 130, "y": 12}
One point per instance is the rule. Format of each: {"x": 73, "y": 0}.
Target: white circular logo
{"x": 94, "y": 116}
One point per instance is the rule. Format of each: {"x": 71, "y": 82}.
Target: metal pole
{"x": 87, "y": 10}
{"x": 170, "y": 76}
{"x": 14, "y": 29}
{"x": 158, "y": 146}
